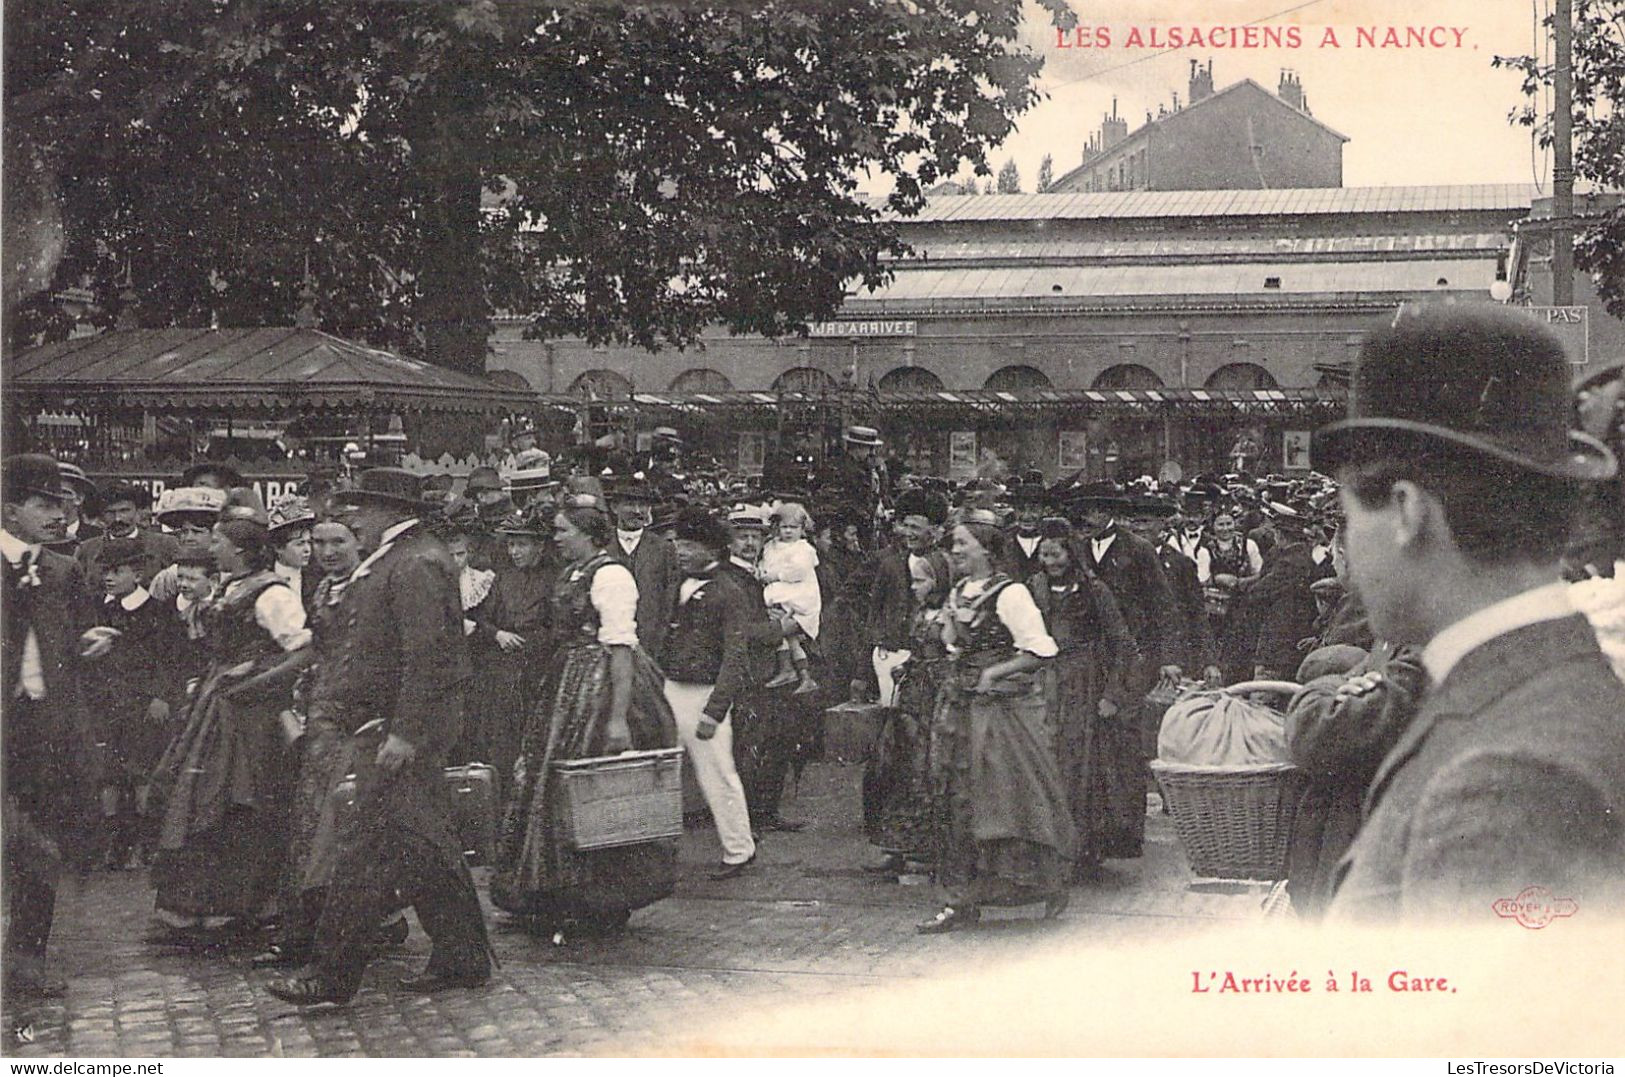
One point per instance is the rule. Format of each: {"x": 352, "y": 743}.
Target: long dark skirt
{"x": 1005, "y": 830}
{"x": 898, "y": 810}
{"x": 1101, "y": 765}
{"x": 537, "y": 872}
{"x": 227, "y": 779}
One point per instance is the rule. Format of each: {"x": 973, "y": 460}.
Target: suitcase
{"x": 474, "y": 807}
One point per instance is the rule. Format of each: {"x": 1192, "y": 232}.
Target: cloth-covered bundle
{"x": 1221, "y": 729}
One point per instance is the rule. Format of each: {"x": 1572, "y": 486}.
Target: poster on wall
{"x": 752, "y": 451}
{"x": 962, "y": 454}
{"x": 1073, "y": 454}
{"x": 1295, "y": 450}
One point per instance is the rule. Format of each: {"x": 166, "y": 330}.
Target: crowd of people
{"x": 260, "y": 703}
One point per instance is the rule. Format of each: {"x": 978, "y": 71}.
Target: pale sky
{"x": 1413, "y": 116}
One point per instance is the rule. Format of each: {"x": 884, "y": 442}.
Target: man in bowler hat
{"x": 49, "y": 752}
{"x": 406, "y": 667}
{"x": 1458, "y": 474}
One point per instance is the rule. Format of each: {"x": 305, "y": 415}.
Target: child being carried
{"x": 789, "y": 569}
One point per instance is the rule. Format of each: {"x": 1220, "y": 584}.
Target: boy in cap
{"x": 1457, "y": 474}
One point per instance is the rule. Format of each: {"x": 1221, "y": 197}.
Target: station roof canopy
{"x": 263, "y": 369}
{"x": 1284, "y": 202}
{"x": 988, "y": 402}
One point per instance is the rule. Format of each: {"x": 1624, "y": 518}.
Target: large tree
{"x": 645, "y": 170}
{"x": 1599, "y": 131}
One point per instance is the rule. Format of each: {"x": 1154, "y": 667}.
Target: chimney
{"x": 1201, "y": 81}
{"x": 1112, "y": 129}
{"x": 1291, "y": 90}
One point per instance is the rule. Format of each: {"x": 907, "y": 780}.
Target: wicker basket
{"x": 620, "y": 799}
{"x": 1235, "y": 822}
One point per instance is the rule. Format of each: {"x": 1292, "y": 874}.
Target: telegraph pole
{"x": 1563, "y": 159}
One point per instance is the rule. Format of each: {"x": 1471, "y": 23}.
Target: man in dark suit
{"x": 406, "y": 664}
{"x": 1195, "y": 650}
{"x": 767, "y": 747}
{"x": 1031, "y": 501}
{"x": 1130, "y": 569}
{"x": 1505, "y": 794}
{"x": 890, "y": 621}
{"x": 77, "y": 530}
{"x": 1276, "y": 612}
{"x": 122, "y": 507}
{"x": 707, "y": 672}
{"x": 651, "y": 558}
{"x": 49, "y": 767}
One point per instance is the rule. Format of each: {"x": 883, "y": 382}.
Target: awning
{"x": 990, "y": 403}
{"x": 270, "y": 370}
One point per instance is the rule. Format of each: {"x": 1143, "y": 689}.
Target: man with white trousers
{"x": 707, "y": 670}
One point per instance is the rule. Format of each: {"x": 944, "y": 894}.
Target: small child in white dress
{"x": 789, "y": 569}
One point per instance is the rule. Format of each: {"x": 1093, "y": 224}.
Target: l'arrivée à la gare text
{"x": 1399, "y": 982}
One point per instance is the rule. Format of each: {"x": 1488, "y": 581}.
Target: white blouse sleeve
{"x": 614, "y": 595}
{"x": 277, "y": 610}
{"x": 1020, "y": 615}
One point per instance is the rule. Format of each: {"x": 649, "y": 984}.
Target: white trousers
{"x": 713, "y": 762}
{"x": 886, "y": 663}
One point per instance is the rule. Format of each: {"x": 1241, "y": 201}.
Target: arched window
{"x": 701, "y": 380}
{"x": 1234, "y": 376}
{"x": 1017, "y": 377}
{"x": 1127, "y": 376}
{"x": 910, "y": 379}
{"x": 804, "y": 379}
{"x": 602, "y": 385}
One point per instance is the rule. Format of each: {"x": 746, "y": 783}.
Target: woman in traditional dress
{"x": 229, "y": 772}
{"x": 897, "y": 779}
{"x": 1099, "y": 754}
{"x": 602, "y": 695}
{"x": 1007, "y": 834}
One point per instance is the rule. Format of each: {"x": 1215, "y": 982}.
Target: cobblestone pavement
{"x": 806, "y": 923}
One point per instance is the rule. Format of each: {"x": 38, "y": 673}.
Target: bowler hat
{"x": 483, "y": 478}
{"x": 394, "y": 486}
{"x": 33, "y": 475}
{"x": 1480, "y": 379}
{"x": 695, "y": 524}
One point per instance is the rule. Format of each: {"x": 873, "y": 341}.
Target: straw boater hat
{"x": 1478, "y": 380}
{"x": 863, "y": 435}
{"x": 199, "y": 504}
{"x": 76, "y": 479}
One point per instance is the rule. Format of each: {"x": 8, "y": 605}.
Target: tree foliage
{"x": 1599, "y": 131}
{"x": 645, "y": 170}
{"x": 1046, "y": 174}
{"x": 1009, "y": 178}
